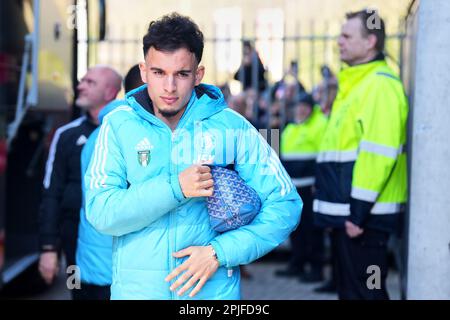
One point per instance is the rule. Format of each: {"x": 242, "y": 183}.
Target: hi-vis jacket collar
{"x": 351, "y": 76}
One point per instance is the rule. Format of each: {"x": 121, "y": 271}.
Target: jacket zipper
{"x": 172, "y": 263}
{"x": 172, "y": 231}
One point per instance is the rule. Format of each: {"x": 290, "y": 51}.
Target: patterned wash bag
{"x": 234, "y": 203}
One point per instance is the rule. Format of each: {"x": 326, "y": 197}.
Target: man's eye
{"x": 183, "y": 75}
{"x": 158, "y": 73}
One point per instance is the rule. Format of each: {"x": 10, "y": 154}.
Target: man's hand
{"x": 200, "y": 266}
{"x": 48, "y": 266}
{"x": 196, "y": 181}
{"x": 353, "y": 230}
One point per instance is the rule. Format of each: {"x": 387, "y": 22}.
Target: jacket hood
{"x": 110, "y": 107}
{"x": 206, "y": 100}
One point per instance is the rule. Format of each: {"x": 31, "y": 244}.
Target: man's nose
{"x": 80, "y": 86}
{"x": 170, "y": 84}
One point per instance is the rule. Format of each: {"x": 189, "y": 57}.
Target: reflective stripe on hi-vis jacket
{"x": 299, "y": 148}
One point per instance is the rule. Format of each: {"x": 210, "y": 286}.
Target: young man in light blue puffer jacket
{"x": 146, "y": 184}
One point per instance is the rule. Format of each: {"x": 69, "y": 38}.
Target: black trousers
{"x": 69, "y": 237}
{"x": 91, "y": 292}
{"x": 361, "y": 264}
{"x": 307, "y": 240}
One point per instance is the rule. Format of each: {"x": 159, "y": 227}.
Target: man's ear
{"x": 110, "y": 93}
{"x": 143, "y": 70}
{"x": 199, "y": 75}
{"x": 372, "y": 41}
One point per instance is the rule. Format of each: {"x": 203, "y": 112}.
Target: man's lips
{"x": 169, "y": 100}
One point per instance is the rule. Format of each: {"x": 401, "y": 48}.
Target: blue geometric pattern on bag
{"x": 233, "y": 203}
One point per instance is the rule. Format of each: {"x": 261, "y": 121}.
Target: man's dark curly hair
{"x": 172, "y": 32}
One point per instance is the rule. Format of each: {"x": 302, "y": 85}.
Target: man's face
{"x": 93, "y": 90}
{"x": 301, "y": 112}
{"x": 247, "y": 55}
{"x": 354, "y": 47}
{"x": 170, "y": 76}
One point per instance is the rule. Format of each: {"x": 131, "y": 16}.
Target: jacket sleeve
{"x": 86, "y": 155}
{"x": 115, "y": 207}
{"x": 382, "y": 126}
{"x": 258, "y": 164}
{"x": 54, "y": 182}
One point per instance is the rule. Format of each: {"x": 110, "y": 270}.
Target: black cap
{"x": 306, "y": 98}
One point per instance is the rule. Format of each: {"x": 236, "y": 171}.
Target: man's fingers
{"x": 206, "y": 192}
{"x": 354, "y": 232}
{"x": 182, "y": 253}
{"x": 184, "y": 277}
{"x": 176, "y": 272}
{"x": 47, "y": 275}
{"x": 198, "y": 286}
{"x": 47, "y": 278}
{"x": 46, "y": 269}
{"x": 206, "y": 184}
{"x": 205, "y": 176}
{"x": 204, "y": 169}
{"x": 188, "y": 285}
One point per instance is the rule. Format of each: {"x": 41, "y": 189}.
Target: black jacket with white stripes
{"x": 61, "y": 197}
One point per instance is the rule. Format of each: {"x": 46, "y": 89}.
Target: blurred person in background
{"x": 300, "y": 142}
{"x": 252, "y": 75}
{"x": 94, "y": 250}
{"x": 289, "y": 88}
{"x": 132, "y": 79}
{"x": 251, "y": 65}
{"x": 361, "y": 171}
{"x": 325, "y": 92}
{"x": 284, "y": 95}
{"x": 61, "y": 199}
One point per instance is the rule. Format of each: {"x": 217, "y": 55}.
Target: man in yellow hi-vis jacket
{"x": 300, "y": 143}
{"x": 361, "y": 178}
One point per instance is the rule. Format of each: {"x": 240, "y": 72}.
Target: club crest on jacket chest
{"x": 143, "y": 149}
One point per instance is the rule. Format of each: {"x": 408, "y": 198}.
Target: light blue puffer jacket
{"x": 133, "y": 193}
{"x": 94, "y": 250}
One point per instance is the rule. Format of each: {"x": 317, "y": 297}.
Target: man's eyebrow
{"x": 87, "y": 79}
{"x": 179, "y": 71}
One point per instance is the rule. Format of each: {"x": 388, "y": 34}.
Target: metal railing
{"x": 309, "y": 51}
